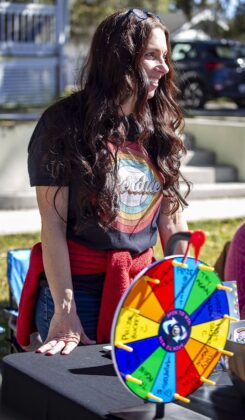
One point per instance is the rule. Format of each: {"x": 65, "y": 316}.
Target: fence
{"x": 32, "y": 37}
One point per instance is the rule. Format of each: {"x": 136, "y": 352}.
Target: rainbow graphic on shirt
{"x": 140, "y": 190}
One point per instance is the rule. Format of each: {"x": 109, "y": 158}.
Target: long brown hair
{"x": 111, "y": 75}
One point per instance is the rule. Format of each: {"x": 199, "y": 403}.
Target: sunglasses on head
{"x": 139, "y": 14}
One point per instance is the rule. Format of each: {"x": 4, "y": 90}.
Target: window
{"x": 183, "y": 52}
{"x": 226, "y": 52}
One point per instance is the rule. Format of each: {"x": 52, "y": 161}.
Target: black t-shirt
{"x": 135, "y": 227}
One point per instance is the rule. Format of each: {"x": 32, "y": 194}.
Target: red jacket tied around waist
{"x": 120, "y": 268}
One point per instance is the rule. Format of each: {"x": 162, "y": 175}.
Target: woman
{"x": 234, "y": 267}
{"x": 105, "y": 163}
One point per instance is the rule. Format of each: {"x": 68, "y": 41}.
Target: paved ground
{"x": 222, "y": 208}
{"x": 24, "y": 221}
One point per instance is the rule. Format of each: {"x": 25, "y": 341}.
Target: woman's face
{"x": 153, "y": 59}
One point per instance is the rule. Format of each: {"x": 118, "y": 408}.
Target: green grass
{"x": 217, "y": 233}
{"x": 10, "y": 242}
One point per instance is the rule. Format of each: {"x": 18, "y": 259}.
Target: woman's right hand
{"x": 65, "y": 333}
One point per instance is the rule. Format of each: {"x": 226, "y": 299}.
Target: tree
{"x": 237, "y": 24}
{"x": 186, "y": 6}
{"x": 85, "y": 15}
{"x": 189, "y": 7}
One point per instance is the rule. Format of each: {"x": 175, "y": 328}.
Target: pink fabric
{"x": 235, "y": 266}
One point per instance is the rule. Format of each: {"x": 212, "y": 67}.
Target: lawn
{"x": 217, "y": 233}
{"x": 10, "y": 242}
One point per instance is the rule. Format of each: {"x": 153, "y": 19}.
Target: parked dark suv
{"x": 209, "y": 69}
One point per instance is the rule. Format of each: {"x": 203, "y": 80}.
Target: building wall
{"x": 15, "y": 191}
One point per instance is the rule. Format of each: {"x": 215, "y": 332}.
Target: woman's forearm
{"x": 53, "y": 205}
{"x": 57, "y": 267}
{"x": 65, "y": 329}
{"x": 170, "y": 224}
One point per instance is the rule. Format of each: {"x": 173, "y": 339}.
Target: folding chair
{"x": 17, "y": 266}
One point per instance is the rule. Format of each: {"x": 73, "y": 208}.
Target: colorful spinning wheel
{"x": 170, "y": 329}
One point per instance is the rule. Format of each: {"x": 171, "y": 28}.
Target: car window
{"x": 225, "y": 52}
{"x": 183, "y": 51}
{"x": 241, "y": 51}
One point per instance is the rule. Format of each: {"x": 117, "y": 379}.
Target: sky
{"x": 231, "y": 8}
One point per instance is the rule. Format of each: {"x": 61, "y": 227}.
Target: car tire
{"x": 193, "y": 94}
{"x": 240, "y": 102}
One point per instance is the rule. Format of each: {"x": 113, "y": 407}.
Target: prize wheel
{"x": 170, "y": 329}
